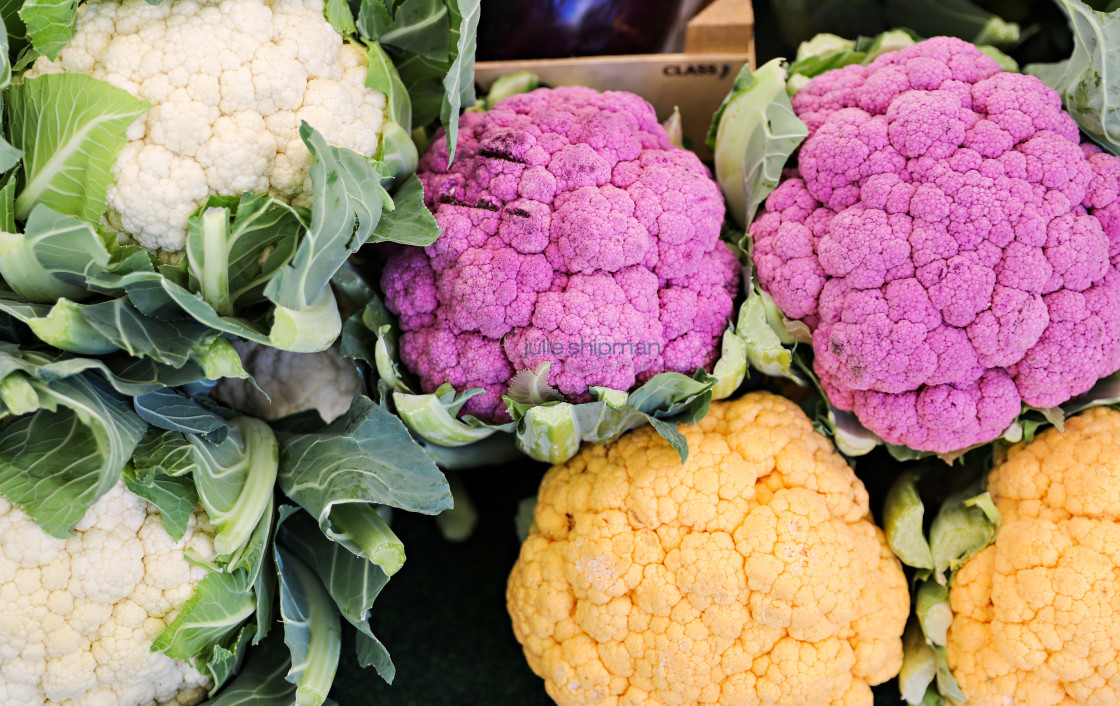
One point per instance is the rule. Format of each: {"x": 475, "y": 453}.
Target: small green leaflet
{"x": 261, "y": 681}
{"x": 311, "y": 626}
{"x": 8, "y": 204}
{"x": 435, "y": 413}
{"x": 420, "y": 27}
{"x": 256, "y": 560}
{"x": 338, "y": 14}
{"x": 48, "y": 260}
{"x": 1089, "y": 81}
{"x": 15, "y": 34}
{"x": 70, "y": 128}
{"x": 128, "y": 376}
{"x": 349, "y": 461}
{"x": 211, "y": 617}
{"x": 433, "y": 43}
{"x": 667, "y": 393}
{"x": 531, "y": 386}
{"x": 173, "y": 410}
{"x": 167, "y": 342}
{"x": 903, "y": 521}
{"x": 347, "y": 199}
{"x": 17, "y": 395}
{"x": 753, "y": 133}
{"x": 552, "y": 432}
{"x": 374, "y": 19}
{"x": 230, "y": 263}
{"x": 175, "y": 498}
{"x": 383, "y": 76}
{"x": 410, "y": 222}
{"x": 235, "y": 480}
{"x": 223, "y": 659}
{"x": 958, "y": 18}
{"x": 55, "y": 463}
{"x": 359, "y": 528}
{"x": 50, "y": 24}
{"x": 352, "y": 581}
{"x": 458, "y": 83}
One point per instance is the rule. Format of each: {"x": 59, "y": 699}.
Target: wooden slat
{"x": 725, "y": 26}
{"x": 695, "y": 81}
{"x": 695, "y": 84}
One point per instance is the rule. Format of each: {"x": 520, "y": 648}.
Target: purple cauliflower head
{"x": 950, "y": 243}
{"x": 573, "y": 232}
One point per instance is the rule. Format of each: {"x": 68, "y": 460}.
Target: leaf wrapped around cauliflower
{"x": 751, "y": 574}
{"x": 946, "y": 238}
{"x": 1030, "y": 607}
{"x": 71, "y": 430}
{"x": 580, "y": 263}
{"x": 214, "y": 185}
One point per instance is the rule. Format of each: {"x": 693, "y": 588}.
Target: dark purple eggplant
{"x": 546, "y": 29}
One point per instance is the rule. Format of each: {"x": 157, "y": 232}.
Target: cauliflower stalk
{"x": 1028, "y": 613}
{"x": 750, "y": 574}
{"x": 947, "y": 240}
{"x": 580, "y": 260}
{"x": 78, "y": 616}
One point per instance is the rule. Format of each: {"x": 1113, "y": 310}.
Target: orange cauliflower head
{"x": 1036, "y": 614}
{"x": 752, "y": 574}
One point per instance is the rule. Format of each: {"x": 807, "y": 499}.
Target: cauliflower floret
{"x": 289, "y": 383}
{"x": 751, "y": 574}
{"x": 573, "y": 233}
{"x": 229, "y": 82}
{"x": 1036, "y": 618}
{"x": 949, "y": 242}
{"x": 78, "y": 615}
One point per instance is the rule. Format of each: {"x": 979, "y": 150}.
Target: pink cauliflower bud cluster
{"x": 573, "y": 232}
{"x": 950, "y": 243}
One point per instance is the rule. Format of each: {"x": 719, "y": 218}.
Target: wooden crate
{"x": 719, "y": 40}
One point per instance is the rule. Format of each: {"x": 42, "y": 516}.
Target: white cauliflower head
{"x": 78, "y": 615}
{"x": 287, "y": 383}
{"x": 229, "y": 82}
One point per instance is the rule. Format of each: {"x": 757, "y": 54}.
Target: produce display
{"x": 832, "y": 419}
{"x": 177, "y": 213}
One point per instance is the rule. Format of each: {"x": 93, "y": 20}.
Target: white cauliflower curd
{"x": 229, "y": 82}
{"x": 287, "y": 383}
{"x": 78, "y": 616}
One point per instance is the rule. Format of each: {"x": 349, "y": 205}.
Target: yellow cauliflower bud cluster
{"x": 752, "y": 574}
{"x": 1036, "y": 614}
